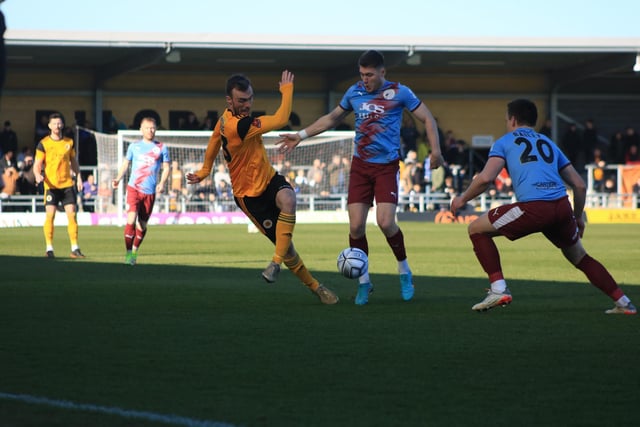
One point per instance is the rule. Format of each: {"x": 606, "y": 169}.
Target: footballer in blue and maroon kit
{"x": 378, "y": 106}
{"x": 146, "y": 157}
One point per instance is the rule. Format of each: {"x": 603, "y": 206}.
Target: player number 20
{"x": 542, "y": 147}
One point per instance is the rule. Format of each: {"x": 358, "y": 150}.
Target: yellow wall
{"x": 469, "y": 106}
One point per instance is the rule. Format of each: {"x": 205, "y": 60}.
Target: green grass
{"x": 193, "y": 331}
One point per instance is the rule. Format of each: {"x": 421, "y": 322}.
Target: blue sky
{"x": 464, "y": 18}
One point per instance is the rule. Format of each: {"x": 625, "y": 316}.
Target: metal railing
{"x": 413, "y": 202}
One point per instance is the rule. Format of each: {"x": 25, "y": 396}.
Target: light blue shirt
{"x": 146, "y": 159}
{"x": 534, "y": 163}
{"x": 378, "y": 116}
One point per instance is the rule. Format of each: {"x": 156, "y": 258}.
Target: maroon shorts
{"x": 140, "y": 203}
{"x": 553, "y": 218}
{"x": 369, "y": 181}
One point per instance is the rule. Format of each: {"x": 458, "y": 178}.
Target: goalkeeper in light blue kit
{"x": 378, "y": 105}
{"x": 538, "y": 170}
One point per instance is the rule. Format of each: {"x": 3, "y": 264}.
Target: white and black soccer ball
{"x": 353, "y": 263}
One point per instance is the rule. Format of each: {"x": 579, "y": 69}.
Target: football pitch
{"x": 192, "y": 336}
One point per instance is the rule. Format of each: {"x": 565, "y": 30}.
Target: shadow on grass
{"x": 218, "y": 343}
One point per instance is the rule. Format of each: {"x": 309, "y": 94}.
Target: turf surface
{"x": 194, "y": 336}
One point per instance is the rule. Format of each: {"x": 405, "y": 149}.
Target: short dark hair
{"x": 239, "y": 82}
{"x": 56, "y": 116}
{"x": 371, "y": 58}
{"x": 524, "y": 111}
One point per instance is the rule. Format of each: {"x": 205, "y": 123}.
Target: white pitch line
{"x": 175, "y": 420}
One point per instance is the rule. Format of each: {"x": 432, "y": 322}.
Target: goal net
{"x": 318, "y": 170}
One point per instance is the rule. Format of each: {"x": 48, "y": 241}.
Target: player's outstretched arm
{"x": 287, "y": 77}
{"x": 192, "y": 178}
{"x": 424, "y": 115}
{"x": 479, "y": 184}
{"x": 123, "y": 168}
{"x": 289, "y": 141}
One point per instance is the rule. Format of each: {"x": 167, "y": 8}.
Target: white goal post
{"x": 318, "y": 169}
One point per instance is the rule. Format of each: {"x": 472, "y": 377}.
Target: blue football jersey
{"x": 146, "y": 159}
{"x": 533, "y": 162}
{"x": 378, "y": 116}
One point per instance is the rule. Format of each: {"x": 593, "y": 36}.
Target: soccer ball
{"x": 353, "y": 263}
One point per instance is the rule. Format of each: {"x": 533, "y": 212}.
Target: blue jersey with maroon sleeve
{"x": 378, "y": 116}
{"x": 534, "y": 163}
{"x": 146, "y": 159}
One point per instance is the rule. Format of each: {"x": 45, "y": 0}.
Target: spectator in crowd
{"x": 294, "y": 122}
{"x": 23, "y": 153}
{"x": 113, "y": 125}
{"x": 337, "y": 175}
{"x": 105, "y": 189}
{"x": 599, "y": 162}
{"x": 27, "y": 179}
{"x": 208, "y": 123}
{"x": 146, "y": 157}
{"x": 57, "y": 155}
{"x": 610, "y": 186}
{"x": 191, "y": 122}
{"x": 630, "y": 139}
{"x": 617, "y": 148}
{"x": 8, "y": 175}
{"x": 315, "y": 172}
{"x": 259, "y": 190}
{"x": 448, "y": 186}
{"x": 572, "y": 144}
{"x": 633, "y": 155}
{"x": 176, "y": 177}
{"x": 221, "y": 174}
{"x": 542, "y": 209}
{"x": 42, "y": 128}
{"x": 317, "y": 182}
{"x": 545, "y": 129}
{"x": 433, "y": 178}
{"x": 589, "y": 141}
{"x": 286, "y": 170}
{"x": 409, "y": 135}
{"x": 636, "y": 191}
{"x": 301, "y": 182}
{"x": 205, "y": 194}
{"x": 89, "y": 193}
{"x": 450, "y": 147}
{"x": 441, "y": 137}
{"x": 175, "y": 185}
{"x": 459, "y": 164}
{"x": 378, "y": 105}
{"x": 225, "y": 195}
{"x": 8, "y": 139}
{"x": 416, "y": 182}
{"x": 87, "y": 144}
{"x": 611, "y": 190}
{"x": 507, "y": 188}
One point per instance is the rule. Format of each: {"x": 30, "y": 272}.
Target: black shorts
{"x": 262, "y": 209}
{"x": 64, "y": 196}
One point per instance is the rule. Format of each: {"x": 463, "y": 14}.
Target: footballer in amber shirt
{"x": 241, "y": 140}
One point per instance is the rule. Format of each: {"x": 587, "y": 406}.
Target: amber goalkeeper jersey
{"x": 240, "y": 138}
{"x": 57, "y": 156}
